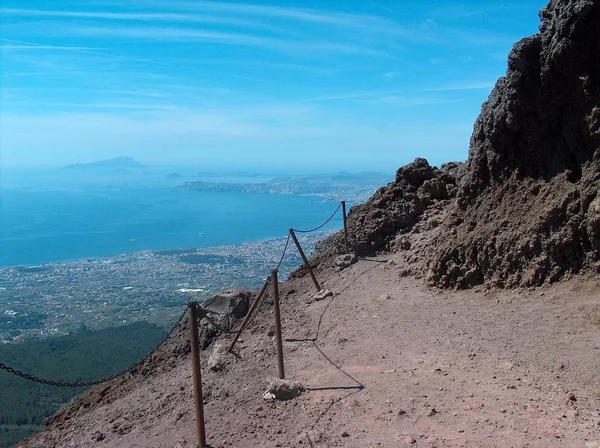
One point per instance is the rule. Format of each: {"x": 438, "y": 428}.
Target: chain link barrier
{"x": 322, "y": 225}
{"x": 204, "y": 313}
{"x": 287, "y": 243}
{"x": 96, "y": 382}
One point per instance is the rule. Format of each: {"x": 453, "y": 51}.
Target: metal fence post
{"x": 196, "y": 373}
{"x": 249, "y": 314}
{"x": 277, "y": 317}
{"x": 345, "y": 225}
{"x": 304, "y": 259}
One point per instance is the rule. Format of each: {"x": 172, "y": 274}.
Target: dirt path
{"x": 393, "y": 364}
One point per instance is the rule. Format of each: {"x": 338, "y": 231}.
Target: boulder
{"x": 232, "y": 302}
{"x": 222, "y": 311}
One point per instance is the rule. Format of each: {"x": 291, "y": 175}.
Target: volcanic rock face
{"x": 395, "y": 208}
{"x": 526, "y": 210}
{"x": 543, "y": 117}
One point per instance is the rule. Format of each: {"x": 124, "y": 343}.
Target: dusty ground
{"x": 394, "y": 364}
{"x": 388, "y": 362}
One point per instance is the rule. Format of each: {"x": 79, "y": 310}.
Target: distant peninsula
{"x": 114, "y": 163}
{"x": 355, "y": 188}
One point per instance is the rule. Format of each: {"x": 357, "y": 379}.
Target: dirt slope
{"x": 394, "y": 364}
{"x": 389, "y": 361}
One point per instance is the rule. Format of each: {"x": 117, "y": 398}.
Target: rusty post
{"x": 249, "y": 314}
{"x": 196, "y": 373}
{"x": 277, "y": 316}
{"x": 345, "y": 225}
{"x": 312, "y": 275}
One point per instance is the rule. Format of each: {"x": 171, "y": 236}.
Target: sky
{"x": 296, "y": 85}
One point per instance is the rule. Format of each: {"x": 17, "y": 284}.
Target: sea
{"x": 49, "y": 217}
{"x": 88, "y": 249}
{"x": 96, "y": 268}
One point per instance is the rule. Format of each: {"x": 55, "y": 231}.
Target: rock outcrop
{"x": 524, "y": 209}
{"x": 395, "y": 208}
{"x": 527, "y": 209}
{"x": 222, "y": 312}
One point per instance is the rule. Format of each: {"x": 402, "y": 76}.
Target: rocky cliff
{"x": 524, "y": 209}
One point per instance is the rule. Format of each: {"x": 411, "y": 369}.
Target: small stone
{"x": 217, "y": 361}
{"x": 401, "y": 412}
{"x": 344, "y": 261}
{"x": 322, "y": 294}
{"x": 409, "y": 440}
{"x": 432, "y": 412}
{"x": 572, "y": 414}
{"x": 345, "y": 434}
{"x": 283, "y": 389}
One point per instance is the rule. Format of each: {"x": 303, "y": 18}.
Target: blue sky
{"x": 300, "y": 86}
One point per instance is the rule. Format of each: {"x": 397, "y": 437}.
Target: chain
{"x": 204, "y": 313}
{"x": 96, "y": 382}
{"x": 322, "y": 225}
{"x": 287, "y": 242}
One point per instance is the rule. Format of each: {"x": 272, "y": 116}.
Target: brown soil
{"x": 387, "y": 361}
{"x": 394, "y": 364}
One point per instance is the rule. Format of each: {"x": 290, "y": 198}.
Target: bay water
{"x": 48, "y": 219}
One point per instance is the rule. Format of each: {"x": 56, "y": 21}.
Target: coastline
{"x": 37, "y": 301}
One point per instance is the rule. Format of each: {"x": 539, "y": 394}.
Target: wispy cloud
{"x": 383, "y": 98}
{"x": 391, "y": 75}
{"x": 334, "y": 97}
{"x": 289, "y": 13}
{"x": 223, "y": 12}
{"x": 450, "y": 12}
{"x": 106, "y": 55}
{"x": 486, "y": 85}
{"x": 120, "y": 105}
{"x": 18, "y": 45}
{"x": 403, "y": 101}
{"x": 141, "y": 17}
{"x": 287, "y": 46}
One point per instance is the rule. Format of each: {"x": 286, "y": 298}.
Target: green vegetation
{"x": 82, "y": 357}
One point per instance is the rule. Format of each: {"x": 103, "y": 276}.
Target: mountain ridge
{"x": 115, "y": 162}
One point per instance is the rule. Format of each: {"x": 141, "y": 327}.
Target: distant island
{"x": 114, "y": 163}
{"x": 342, "y": 186}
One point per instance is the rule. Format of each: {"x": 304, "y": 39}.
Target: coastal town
{"x": 61, "y": 298}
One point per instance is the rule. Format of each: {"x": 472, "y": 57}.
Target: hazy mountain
{"x": 107, "y": 164}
